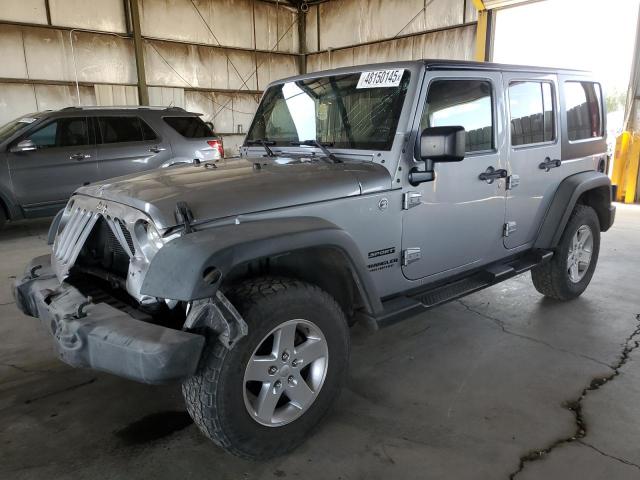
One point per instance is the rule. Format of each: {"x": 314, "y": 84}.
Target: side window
{"x": 466, "y": 103}
{"x": 124, "y": 129}
{"x": 189, "y": 127}
{"x": 584, "y": 111}
{"x": 147, "y": 131}
{"x": 64, "y": 132}
{"x": 532, "y": 113}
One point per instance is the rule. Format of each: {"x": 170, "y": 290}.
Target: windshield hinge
{"x": 509, "y": 228}
{"x": 411, "y": 255}
{"x": 411, "y": 199}
{"x": 184, "y": 216}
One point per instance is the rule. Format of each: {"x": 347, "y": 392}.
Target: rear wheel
{"x": 569, "y": 272}
{"x": 261, "y": 398}
{"x": 3, "y": 217}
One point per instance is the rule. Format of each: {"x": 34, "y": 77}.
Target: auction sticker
{"x": 380, "y": 78}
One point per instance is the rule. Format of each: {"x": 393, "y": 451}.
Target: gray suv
{"x": 365, "y": 194}
{"x": 45, "y": 156}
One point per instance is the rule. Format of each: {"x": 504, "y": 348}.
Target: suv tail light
{"x": 217, "y": 145}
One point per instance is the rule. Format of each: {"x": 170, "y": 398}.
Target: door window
{"x": 189, "y": 127}
{"x": 584, "y": 113}
{"x": 64, "y": 132}
{"x": 532, "y": 113}
{"x": 125, "y": 129}
{"x": 466, "y": 103}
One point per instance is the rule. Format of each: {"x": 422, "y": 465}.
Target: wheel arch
{"x": 588, "y": 188}
{"x": 10, "y": 208}
{"x": 325, "y": 266}
{"x": 195, "y": 265}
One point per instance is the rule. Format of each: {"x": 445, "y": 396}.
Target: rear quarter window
{"x": 189, "y": 127}
{"x": 584, "y": 110}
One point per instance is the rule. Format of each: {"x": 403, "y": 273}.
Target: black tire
{"x": 552, "y": 279}
{"x": 3, "y": 216}
{"x": 214, "y": 396}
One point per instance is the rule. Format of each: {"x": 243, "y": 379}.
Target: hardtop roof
{"x": 436, "y": 64}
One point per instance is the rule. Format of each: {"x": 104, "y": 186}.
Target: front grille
{"x": 103, "y": 253}
{"x": 68, "y": 244}
{"x": 90, "y": 238}
{"x": 127, "y": 235}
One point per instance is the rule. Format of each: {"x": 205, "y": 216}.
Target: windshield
{"x": 13, "y": 126}
{"x": 357, "y": 110}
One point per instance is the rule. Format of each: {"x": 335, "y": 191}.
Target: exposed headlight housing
{"x": 148, "y": 238}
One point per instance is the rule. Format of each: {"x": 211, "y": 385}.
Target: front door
{"x": 534, "y": 153}
{"x": 456, "y": 219}
{"x": 64, "y": 159}
{"x": 127, "y": 144}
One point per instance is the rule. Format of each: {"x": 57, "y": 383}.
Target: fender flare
{"x": 179, "y": 268}
{"x": 564, "y": 201}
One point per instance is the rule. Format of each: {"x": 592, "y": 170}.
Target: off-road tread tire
{"x": 201, "y": 392}
{"x": 551, "y": 279}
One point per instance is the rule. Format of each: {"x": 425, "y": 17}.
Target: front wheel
{"x": 261, "y": 398}
{"x": 569, "y": 272}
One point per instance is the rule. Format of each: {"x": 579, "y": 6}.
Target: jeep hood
{"x": 239, "y": 187}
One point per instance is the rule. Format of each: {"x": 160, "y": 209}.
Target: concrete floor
{"x": 501, "y": 384}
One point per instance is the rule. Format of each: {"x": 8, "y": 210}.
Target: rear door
{"x": 534, "y": 155}
{"x": 127, "y": 144}
{"x": 64, "y": 159}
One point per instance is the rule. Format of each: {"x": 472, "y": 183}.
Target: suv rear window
{"x": 125, "y": 129}
{"x": 190, "y": 127}
{"x": 584, "y": 111}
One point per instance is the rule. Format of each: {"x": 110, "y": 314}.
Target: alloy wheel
{"x": 285, "y": 373}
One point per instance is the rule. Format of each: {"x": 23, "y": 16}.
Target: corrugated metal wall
{"x": 211, "y": 56}
{"x": 346, "y": 32}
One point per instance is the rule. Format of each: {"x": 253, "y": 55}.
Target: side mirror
{"x": 24, "y": 146}
{"x": 442, "y": 144}
{"x": 438, "y": 144}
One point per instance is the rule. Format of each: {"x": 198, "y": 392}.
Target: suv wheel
{"x": 3, "y": 217}
{"x": 261, "y": 398}
{"x": 569, "y": 272}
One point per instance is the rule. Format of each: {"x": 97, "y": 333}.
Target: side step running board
{"x": 399, "y": 308}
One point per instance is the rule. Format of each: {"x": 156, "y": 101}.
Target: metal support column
{"x": 143, "y": 92}
{"x": 302, "y": 38}
{"x": 626, "y": 159}
{"x": 484, "y": 32}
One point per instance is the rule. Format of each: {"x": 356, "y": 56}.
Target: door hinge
{"x": 411, "y": 199}
{"x": 411, "y": 255}
{"x": 513, "y": 181}
{"x": 509, "y": 228}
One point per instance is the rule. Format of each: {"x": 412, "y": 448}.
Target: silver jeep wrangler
{"x": 367, "y": 194}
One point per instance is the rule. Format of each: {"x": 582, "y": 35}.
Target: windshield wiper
{"x": 265, "y": 144}
{"x": 321, "y": 146}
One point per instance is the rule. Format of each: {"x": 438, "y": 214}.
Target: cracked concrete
{"x": 576, "y": 405}
{"x": 463, "y": 391}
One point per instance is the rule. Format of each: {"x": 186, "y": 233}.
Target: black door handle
{"x": 79, "y": 156}
{"x": 491, "y": 174}
{"x": 548, "y": 164}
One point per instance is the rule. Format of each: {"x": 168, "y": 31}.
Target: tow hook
{"x": 32, "y": 272}
{"x": 80, "y": 313}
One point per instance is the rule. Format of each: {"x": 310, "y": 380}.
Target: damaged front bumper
{"x": 101, "y": 337}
